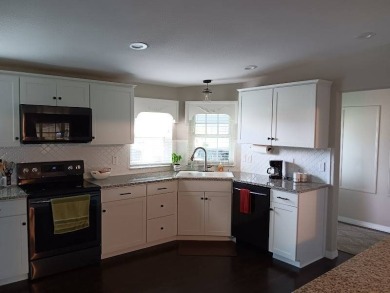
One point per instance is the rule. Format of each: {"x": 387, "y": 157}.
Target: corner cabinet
{"x": 9, "y": 110}
{"x": 112, "y": 113}
{"x": 297, "y": 226}
{"x": 13, "y": 241}
{"x": 204, "y": 207}
{"x": 291, "y": 114}
{"x": 53, "y": 92}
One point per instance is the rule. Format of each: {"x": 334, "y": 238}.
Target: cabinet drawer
{"x": 161, "y": 187}
{"x": 13, "y": 207}
{"x": 162, "y": 205}
{"x": 205, "y": 185}
{"x": 282, "y": 197}
{"x": 126, "y": 192}
{"x": 161, "y": 228}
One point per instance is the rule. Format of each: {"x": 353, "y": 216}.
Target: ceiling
{"x": 189, "y": 40}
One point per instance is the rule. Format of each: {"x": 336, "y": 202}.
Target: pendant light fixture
{"x": 207, "y": 92}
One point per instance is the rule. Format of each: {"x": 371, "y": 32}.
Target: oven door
{"x": 42, "y": 240}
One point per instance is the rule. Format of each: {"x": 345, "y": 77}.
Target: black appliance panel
{"x": 55, "y": 124}
{"x": 43, "y": 241}
{"x": 252, "y": 228}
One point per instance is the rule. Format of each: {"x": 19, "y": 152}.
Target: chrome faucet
{"x": 205, "y": 157}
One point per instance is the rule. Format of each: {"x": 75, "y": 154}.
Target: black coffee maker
{"x": 275, "y": 170}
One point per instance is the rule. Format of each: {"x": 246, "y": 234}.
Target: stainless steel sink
{"x": 199, "y": 174}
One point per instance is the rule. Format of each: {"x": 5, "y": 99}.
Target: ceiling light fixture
{"x": 138, "y": 46}
{"x": 366, "y": 35}
{"x": 207, "y": 92}
{"x": 250, "y": 67}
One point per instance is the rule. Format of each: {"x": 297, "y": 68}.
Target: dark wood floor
{"x": 162, "y": 269}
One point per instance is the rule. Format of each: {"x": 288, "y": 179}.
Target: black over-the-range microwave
{"x": 55, "y": 124}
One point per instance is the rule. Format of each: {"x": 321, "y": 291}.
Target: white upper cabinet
{"x": 112, "y": 113}
{"x": 255, "y": 116}
{"x": 53, "y": 92}
{"x": 293, "y": 114}
{"x": 9, "y": 110}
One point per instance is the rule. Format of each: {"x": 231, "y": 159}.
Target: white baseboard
{"x": 331, "y": 254}
{"x": 364, "y": 224}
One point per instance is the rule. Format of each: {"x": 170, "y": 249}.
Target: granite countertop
{"x": 366, "y": 272}
{"x": 11, "y": 192}
{"x": 262, "y": 180}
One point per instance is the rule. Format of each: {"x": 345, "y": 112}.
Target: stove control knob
{"x": 26, "y": 170}
{"x": 70, "y": 168}
{"x": 34, "y": 170}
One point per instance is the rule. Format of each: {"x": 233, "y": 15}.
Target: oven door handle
{"x": 41, "y": 201}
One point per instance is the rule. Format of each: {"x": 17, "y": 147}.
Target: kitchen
{"x": 352, "y": 76}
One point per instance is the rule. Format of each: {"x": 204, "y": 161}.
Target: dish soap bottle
{"x": 220, "y": 167}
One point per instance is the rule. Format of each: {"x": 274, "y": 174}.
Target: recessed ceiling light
{"x": 138, "y": 46}
{"x": 250, "y": 67}
{"x": 366, "y": 35}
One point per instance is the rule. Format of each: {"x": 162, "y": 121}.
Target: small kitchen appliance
{"x": 275, "y": 170}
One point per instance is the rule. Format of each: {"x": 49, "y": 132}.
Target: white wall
{"x": 371, "y": 209}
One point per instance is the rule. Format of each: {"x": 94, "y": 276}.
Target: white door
{"x": 123, "y": 224}
{"x": 9, "y": 110}
{"x": 191, "y": 213}
{"x": 13, "y": 252}
{"x": 112, "y": 114}
{"x": 255, "y": 116}
{"x": 38, "y": 91}
{"x": 294, "y": 117}
{"x": 218, "y": 213}
{"x": 283, "y": 225}
{"x": 72, "y": 93}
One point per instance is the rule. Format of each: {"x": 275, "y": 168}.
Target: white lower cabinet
{"x": 161, "y": 211}
{"x": 297, "y": 226}
{"x": 123, "y": 219}
{"x": 13, "y": 241}
{"x": 204, "y": 208}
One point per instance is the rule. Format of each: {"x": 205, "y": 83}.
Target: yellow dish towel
{"x": 70, "y": 213}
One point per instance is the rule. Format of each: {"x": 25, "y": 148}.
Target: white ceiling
{"x": 189, "y": 40}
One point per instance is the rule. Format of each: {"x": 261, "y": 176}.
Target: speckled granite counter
{"x": 125, "y": 180}
{"x": 262, "y": 180}
{"x": 366, "y": 272}
{"x": 11, "y": 192}
{"x": 284, "y": 185}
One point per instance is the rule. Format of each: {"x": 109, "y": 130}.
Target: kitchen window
{"x": 213, "y": 127}
{"x": 153, "y": 132}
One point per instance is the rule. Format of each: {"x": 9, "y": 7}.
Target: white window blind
{"x": 152, "y": 139}
{"x": 214, "y": 133}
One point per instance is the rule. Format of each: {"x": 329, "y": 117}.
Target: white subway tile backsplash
{"x": 296, "y": 159}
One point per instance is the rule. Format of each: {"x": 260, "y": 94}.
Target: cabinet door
{"x": 112, "y": 118}
{"x": 255, "y": 116}
{"x": 191, "y": 213}
{"x": 38, "y": 91}
{"x": 9, "y": 110}
{"x": 218, "y": 213}
{"x": 13, "y": 252}
{"x": 283, "y": 230}
{"x": 294, "y": 118}
{"x": 123, "y": 224}
{"x": 72, "y": 93}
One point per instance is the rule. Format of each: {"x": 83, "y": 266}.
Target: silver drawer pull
{"x": 126, "y": 193}
{"x": 284, "y": 198}
{"x": 42, "y": 201}
{"x": 161, "y": 188}
{"x": 256, "y": 193}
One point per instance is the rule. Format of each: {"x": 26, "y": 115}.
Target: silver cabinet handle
{"x": 256, "y": 193}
